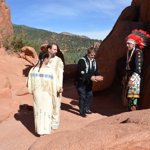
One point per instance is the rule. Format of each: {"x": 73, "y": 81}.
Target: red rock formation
{"x": 6, "y": 28}
{"x": 70, "y": 71}
{"x": 5, "y": 97}
{"x": 28, "y": 53}
{"x": 108, "y": 133}
{"x": 113, "y": 48}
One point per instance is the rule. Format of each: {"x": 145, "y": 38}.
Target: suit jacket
{"x": 85, "y": 71}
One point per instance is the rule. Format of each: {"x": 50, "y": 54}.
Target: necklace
{"x": 129, "y": 58}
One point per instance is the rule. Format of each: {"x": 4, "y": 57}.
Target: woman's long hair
{"x": 42, "y": 56}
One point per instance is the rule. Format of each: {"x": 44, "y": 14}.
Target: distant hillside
{"x": 73, "y": 46}
{"x": 71, "y": 34}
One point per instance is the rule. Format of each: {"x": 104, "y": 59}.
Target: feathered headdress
{"x": 140, "y": 37}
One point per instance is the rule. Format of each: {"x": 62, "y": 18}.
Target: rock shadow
{"x": 26, "y": 70}
{"x": 106, "y": 102}
{"x": 70, "y": 89}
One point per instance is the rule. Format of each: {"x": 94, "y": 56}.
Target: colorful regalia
{"x": 134, "y": 66}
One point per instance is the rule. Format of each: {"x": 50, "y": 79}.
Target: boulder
{"x": 6, "y": 28}
{"x": 29, "y": 54}
{"x": 113, "y": 48}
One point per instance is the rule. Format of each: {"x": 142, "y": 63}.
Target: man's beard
{"x": 52, "y": 55}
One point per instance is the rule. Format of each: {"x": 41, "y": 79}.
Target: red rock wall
{"x": 6, "y": 28}
{"x": 113, "y": 47}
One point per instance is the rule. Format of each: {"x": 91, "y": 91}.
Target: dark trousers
{"x": 85, "y": 98}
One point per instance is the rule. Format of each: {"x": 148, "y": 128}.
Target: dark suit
{"x": 85, "y": 70}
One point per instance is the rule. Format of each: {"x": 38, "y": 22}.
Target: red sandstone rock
{"x": 6, "y": 29}
{"x": 100, "y": 130}
{"x": 29, "y": 54}
{"x": 113, "y": 48}
{"x": 124, "y": 131}
{"x": 70, "y": 71}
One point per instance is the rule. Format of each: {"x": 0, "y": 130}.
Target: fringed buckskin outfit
{"x": 42, "y": 84}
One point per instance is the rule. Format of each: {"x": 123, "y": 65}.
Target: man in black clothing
{"x": 87, "y": 73}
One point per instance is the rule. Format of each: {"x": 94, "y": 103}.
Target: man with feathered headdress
{"x": 136, "y": 41}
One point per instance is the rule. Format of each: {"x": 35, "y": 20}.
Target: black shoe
{"x": 83, "y": 115}
{"x": 88, "y": 112}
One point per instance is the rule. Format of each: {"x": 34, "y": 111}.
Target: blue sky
{"x": 92, "y": 18}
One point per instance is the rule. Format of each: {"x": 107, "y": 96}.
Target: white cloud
{"x": 75, "y": 15}
{"x": 78, "y": 7}
{"x": 53, "y": 9}
{"x": 106, "y": 6}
